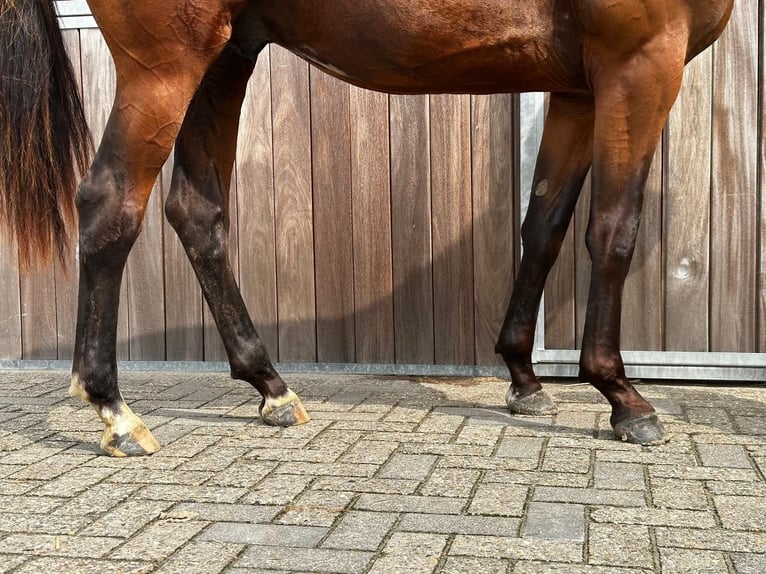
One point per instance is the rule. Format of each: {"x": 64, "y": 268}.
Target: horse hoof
{"x": 536, "y": 404}
{"x": 284, "y": 411}
{"x": 137, "y": 442}
{"x": 645, "y": 430}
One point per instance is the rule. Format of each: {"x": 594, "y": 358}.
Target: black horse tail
{"x": 44, "y": 138}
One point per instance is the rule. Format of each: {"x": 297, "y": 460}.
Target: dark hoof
{"x": 536, "y": 404}
{"x": 284, "y": 411}
{"x": 137, "y": 442}
{"x": 645, "y": 430}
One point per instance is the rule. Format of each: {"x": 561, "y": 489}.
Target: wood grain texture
{"x": 373, "y": 275}
{"x": 495, "y": 230}
{"x": 255, "y": 197}
{"x": 453, "y": 273}
{"x": 333, "y": 220}
{"x": 10, "y": 303}
{"x": 762, "y": 166}
{"x": 687, "y": 211}
{"x": 411, "y": 230}
{"x": 560, "y": 331}
{"x": 735, "y": 185}
{"x": 293, "y": 207}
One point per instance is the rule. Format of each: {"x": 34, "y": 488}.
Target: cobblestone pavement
{"x": 392, "y": 475}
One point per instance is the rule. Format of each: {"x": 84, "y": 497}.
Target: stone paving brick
{"x": 576, "y": 460}
{"x": 158, "y": 540}
{"x": 516, "y": 548}
{"x": 408, "y": 466}
{"x": 509, "y": 465}
{"x": 201, "y": 557}
{"x": 242, "y": 473}
{"x": 551, "y": 479}
{"x": 456, "y": 451}
{"x": 74, "y": 482}
{"x": 532, "y": 567}
{"x": 156, "y": 476}
{"x": 42, "y": 523}
{"x": 679, "y": 494}
{"x": 711, "y": 539}
{"x": 521, "y": 447}
{"x": 9, "y": 562}
{"x": 410, "y": 552}
{"x": 620, "y": 545}
{"x": 264, "y": 534}
{"x": 186, "y": 493}
{"x": 73, "y": 546}
{"x": 457, "y": 524}
{"x": 438, "y": 422}
{"x": 314, "y": 560}
{"x": 371, "y": 485}
{"x": 703, "y": 473}
{"x": 749, "y": 563}
{"x": 29, "y": 504}
{"x": 724, "y": 455}
{"x": 422, "y": 504}
{"x": 470, "y": 565}
{"x": 654, "y": 517}
{"x": 618, "y": 476}
{"x": 456, "y": 482}
{"x": 359, "y": 530}
{"x": 322, "y": 469}
{"x": 370, "y": 452}
{"x": 481, "y": 434}
{"x": 741, "y": 512}
{"x": 550, "y": 521}
{"x": 316, "y": 508}
{"x": 681, "y": 561}
{"x": 736, "y": 488}
{"x": 83, "y": 566}
{"x": 97, "y": 499}
{"x": 589, "y": 496}
{"x": 225, "y": 512}
{"x": 499, "y": 500}
{"x": 276, "y": 490}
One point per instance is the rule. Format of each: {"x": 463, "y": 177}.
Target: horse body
{"x": 613, "y": 68}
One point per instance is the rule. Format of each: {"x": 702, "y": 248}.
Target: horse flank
{"x": 44, "y": 137}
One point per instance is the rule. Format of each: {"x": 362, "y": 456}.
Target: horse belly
{"x": 467, "y": 46}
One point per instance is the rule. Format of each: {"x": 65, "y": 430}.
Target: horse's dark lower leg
{"x": 197, "y": 208}
{"x": 632, "y": 103}
{"x": 150, "y": 103}
{"x": 562, "y": 164}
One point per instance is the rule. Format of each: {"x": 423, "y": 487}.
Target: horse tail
{"x": 44, "y": 137}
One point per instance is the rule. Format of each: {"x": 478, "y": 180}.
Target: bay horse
{"x": 613, "y": 69}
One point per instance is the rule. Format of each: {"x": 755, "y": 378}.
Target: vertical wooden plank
{"x": 66, "y": 279}
{"x": 582, "y": 260}
{"x": 255, "y": 183}
{"x": 762, "y": 179}
{"x": 411, "y": 230}
{"x": 183, "y": 298}
{"x": 687, "y": 211}
{"x": 452, "y": 230}
{"x": 373, "y": 274}
{"x": 38, "y": 315}
{"x": 334, "y": 249}
{"x": 642, "y": 296}
{"x": 10, "y": 303}
{"x": 560, "y": 297}
{"x": 494, "y": 239}
{"x": 294, "y": 216}
{"x": 735, "y": 194}
{"x": 98, "y": 95}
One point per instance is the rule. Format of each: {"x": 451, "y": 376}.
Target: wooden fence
{"x": 369, "y": 228}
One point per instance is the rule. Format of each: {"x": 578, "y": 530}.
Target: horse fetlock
{"x": 284, "y": 411}
{"x": 125, "y": 434}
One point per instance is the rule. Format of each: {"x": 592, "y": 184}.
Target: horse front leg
{"x": 156, "y": 80}
{"x": 562, "y": 164}
{"x": 633, "y": 99}
{"x": 197, "y": 208}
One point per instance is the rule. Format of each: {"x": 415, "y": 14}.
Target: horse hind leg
{"x": 150, "y": 102}
{"x": 197, "y": 208}
{"x": 562, "y": 164}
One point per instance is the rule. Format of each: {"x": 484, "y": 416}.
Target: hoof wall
{"x": 284, "y": 411}
{"x": 138, "y": 442}
{"x": 646, "y": 430}
{"x": 536, "y": 404}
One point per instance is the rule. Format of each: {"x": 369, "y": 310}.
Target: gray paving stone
{"x": 49, "y": 565}
{"x": 9, "y": 562}
{"x": 682, "y": 561}
{"x": 521, "y": 447}
{"x": 654, "y": 517}
{"x": 421, "y": 504}
{"x": 158, "y": 540}
{"x": 414, "y": 552}
{"x": 127, "y": 518}
{"x": 73, "y": 546}
{"x": 679, "y": 494}
{"x": 576, "y": 460}
{"x": 264, "y": 534}
{"x": 371, "y": 485}
{"x": 316, "y": 508}
{"x": 724, "y": 455}
{"x": 42, "y": 523}
{"x": 359, "y": 530}
{"x": 456, "y": 524}
{"x": 553, "y": 521}
{"x": 304, "y": 559}
{"x": 471, "y": 565}
{"x": 711, "y": 539}
{"x": 532, "y": 567}
{"x": 455, "y": 482}
{"x": 408, "y": 466}
{"x": 742, "y": 512}
{"x": 201, "y": 557}
{"x": 226, "y": 512}
{"x": 188, "y": 493}
{"x": 516, "y": 548}
{"x": 620, "y": 545}
{"x": 749, "y": 563}
{"x": 499, "y": 500}
{"x": 370, "y": 452}
{"x": 618, "y": 476}
{"x": 589, "y": 496}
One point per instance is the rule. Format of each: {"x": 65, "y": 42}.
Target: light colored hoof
{"x": 284, "y": 411}
{"x": 646, "y": 430}
{"x": 138, "y": 442}
{"x": 536, "y": 404}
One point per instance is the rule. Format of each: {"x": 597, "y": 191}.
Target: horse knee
{"x": 109, "y": 225}
{"x": 611, "y": 246}
{"x": 601, "y": 367}
{"x": 515, "y": 343}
